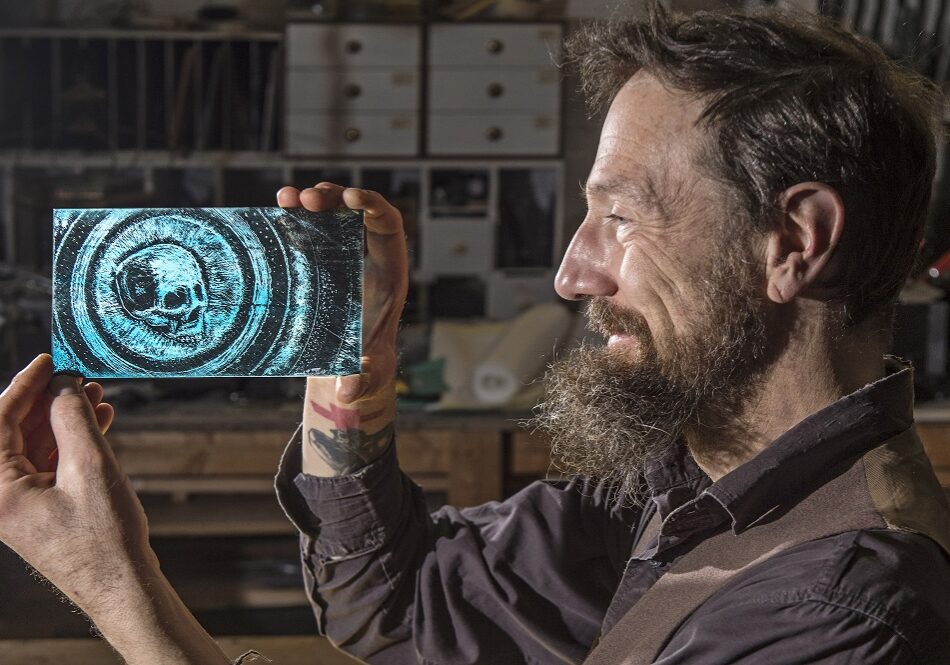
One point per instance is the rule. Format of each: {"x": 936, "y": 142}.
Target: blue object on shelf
{"x": 202, "y": 292}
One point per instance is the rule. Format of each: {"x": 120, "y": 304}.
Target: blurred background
{"x": 456, "y": 112}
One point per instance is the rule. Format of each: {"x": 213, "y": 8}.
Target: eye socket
{"x": 616, "y": 219}
{"x": 175, "y": 299}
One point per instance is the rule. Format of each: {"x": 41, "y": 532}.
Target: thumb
{"x": 75, "y": 428}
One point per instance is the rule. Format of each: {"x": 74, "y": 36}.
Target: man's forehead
{"x": 648, "y": 126}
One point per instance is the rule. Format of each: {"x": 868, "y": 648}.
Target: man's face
{"x": 671, "y": 285}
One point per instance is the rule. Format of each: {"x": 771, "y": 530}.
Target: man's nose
{"x": 584, "y": 270}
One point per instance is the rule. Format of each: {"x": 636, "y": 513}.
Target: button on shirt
{"x": 542, "y": 576}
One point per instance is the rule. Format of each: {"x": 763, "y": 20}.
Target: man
{"x": 752, "y": 489}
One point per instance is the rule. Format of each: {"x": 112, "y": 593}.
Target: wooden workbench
{"x": 199, "y": 446}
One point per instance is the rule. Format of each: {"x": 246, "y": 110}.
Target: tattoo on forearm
{"x": 345, "y": 418}
{"x": 348, "y": 450}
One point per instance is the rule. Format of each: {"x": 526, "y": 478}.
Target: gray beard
{"x": 608, "y": 415}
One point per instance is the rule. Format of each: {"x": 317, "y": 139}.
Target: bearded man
{"x": 749, "y": 486}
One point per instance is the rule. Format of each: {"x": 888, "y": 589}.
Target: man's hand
{"x": 348, "y": 420}
{"x": 46, "y": 507}
{"x": 78, "y": 522}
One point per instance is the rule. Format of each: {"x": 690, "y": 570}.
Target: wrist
{"x": 144, "y": 619}
{"x": 341, "y": 438}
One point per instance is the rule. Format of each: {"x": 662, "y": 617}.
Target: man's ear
{"x": 800, "y": 249}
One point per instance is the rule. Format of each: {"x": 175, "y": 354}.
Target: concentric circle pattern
{"x": 205, "y": 292}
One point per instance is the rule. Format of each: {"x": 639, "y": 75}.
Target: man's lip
{"x": 617, "y": 339}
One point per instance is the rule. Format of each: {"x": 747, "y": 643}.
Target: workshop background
{"x": 453, "y": 109}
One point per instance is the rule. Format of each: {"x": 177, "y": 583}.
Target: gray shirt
{"x": 540, "y": 577}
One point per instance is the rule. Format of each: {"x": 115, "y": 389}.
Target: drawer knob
{"x": 353, "y": 46}
{"x": 495, "y": 90}
{"x": 351, "y": 134}
{"x": 494, "y": 133}
{"x": 460, "y": 249}
{"x": 352, "y": 91}
{"x": 495, "y": 46}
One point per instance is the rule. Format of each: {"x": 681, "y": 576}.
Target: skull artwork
{"x": 163, "y": 286}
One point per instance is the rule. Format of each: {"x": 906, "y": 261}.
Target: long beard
{"x": 608, "y": 414}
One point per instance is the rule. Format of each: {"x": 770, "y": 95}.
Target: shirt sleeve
{"x": 527, "y": 580}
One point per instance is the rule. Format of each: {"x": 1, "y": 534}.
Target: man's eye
{"x": 615, "y": 219}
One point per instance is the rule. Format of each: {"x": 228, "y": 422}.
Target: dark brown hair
{"x": 792, "y": 98}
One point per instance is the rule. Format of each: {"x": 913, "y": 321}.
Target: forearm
{"x": 142, "y": 617}
{"x": 339, "y": 439}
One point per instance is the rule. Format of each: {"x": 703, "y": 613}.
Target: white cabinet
{"x": 456, "y": 247}
{"x": 494, "y": 89}
{"x": 494, "y": 45}
{"x": 493, "y": 134}
{"x": 352, "y": 133}
{"x": 350, "y": 45}
{"x": 353, "y": 89}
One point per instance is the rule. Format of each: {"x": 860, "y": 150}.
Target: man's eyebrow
{"x": 644, "y": 195}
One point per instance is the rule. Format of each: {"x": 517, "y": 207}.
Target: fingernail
{"x": 65, "y": 384}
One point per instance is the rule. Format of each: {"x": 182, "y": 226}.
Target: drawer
{"x": 456, "y": 247}
{"x": 489, "y": 134}
{"x": 317, "y": 133}
{"x": 349, "y": 45}
{"x": 537, "y": 90}
{"x": 352, "y": 90}
{"x": 494, "y": 45}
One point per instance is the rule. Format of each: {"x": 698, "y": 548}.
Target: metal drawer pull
{"x": 353, "y": 46}
{"x": 494, "y": 133}
{"x": 351, "y": 134}
{"x": 352, "y": 91}
{"x": 495, "y": 90}
{"x": 495, "y": 46}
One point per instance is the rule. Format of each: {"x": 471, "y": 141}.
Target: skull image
{"x": 163, "y": 286}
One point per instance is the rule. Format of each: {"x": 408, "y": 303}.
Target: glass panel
{"x": 401, "y": 188}
{"x": 251, "y": 187}
{"x": 527, "y": 204}
{"x": 459, "y": 193}
{"x": 153, "y": 292}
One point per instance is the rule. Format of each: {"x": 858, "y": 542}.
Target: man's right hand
{"x": 79, "y": 523}
{"x": 348, "y": 421}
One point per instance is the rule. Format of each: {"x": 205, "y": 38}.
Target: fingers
{"x": 377, "y": 373}
{"x": 76, "y": 427}
{"x": 17, "y": 400}
{"x": 379, "y": 215}
{"x": 350, "y": 388}
{"x": 322, "y": 196}
{"x": 94, "y": 392}
{"x": 105, "y": 414}
{"x": 288, "y": 197}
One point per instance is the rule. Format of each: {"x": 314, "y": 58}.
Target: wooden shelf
{"x": 212, "y": 594}
{"x": 212, "y": 515}
{"x": 282, "y": 650}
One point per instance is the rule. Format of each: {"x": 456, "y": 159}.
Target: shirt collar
{"x": 819, "y": 448}
{"x": 811, "y": 453}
